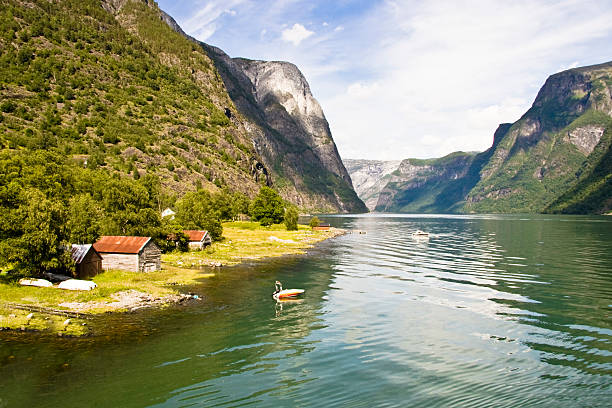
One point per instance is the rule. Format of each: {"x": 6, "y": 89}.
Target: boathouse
{"x": 198, "y": 239}
{"x": 321, "y": 227}
{"x": 87, "y": 260}
{"x": 137, "y": 254}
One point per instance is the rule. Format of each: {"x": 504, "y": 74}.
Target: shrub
{"x": 314, "y": 222}
{"x": 291, "y": 218}
{"x": 267, "y": 207}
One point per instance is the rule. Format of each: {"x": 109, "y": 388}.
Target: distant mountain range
{"x": 556, "y": 158}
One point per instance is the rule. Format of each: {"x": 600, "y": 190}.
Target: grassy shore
{"x": 245, "y": 241}
{"x": 120, "y": 291}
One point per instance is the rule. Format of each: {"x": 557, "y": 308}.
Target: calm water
{"x": 491, "y": 311}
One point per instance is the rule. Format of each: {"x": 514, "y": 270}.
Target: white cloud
{"x": 296, "y": 34}
{"x": 447, "y": 74}
{"x": 204, "y": 22}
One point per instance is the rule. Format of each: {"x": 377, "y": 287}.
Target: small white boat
{"x": 281, "y": 293}
{"x": 77, "y": 284}
{"x": 41, "y": 283}
{"x": 420, "y": 234}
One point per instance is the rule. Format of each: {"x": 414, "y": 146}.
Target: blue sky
{"x": 399, "y": 79}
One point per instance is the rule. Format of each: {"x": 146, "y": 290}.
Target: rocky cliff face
{"x": 273, "y": 104}
{"x": 289, "y": 131}
{"x": 370, "y": 177}
{"x": 557, "y": 143}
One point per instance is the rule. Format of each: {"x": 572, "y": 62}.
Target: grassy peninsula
{"x": 120, "y": 291}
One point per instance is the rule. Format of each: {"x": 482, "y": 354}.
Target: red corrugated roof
{"x": 195, "y": 235}
{"x": 121, "y": 245}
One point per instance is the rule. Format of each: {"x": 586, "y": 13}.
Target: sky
{"x": 403, "y": 79}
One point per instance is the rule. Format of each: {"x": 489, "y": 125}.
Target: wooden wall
{"x": 124, "y": 262}
{"x": 150, "y": 258}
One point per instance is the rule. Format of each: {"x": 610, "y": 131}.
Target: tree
{"x": 267, "y": 207}
{"x": 291, "y": 218}
{"x": 84, "y": 219}
{"x": 240, "y": 204}
{"x": 196, "y": 210}
{"x": 314, "y": 222}
{"x": 37, "y": 241}
{"x": 173, "y": 236}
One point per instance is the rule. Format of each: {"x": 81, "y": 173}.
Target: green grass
{"x": 250, "y": 241}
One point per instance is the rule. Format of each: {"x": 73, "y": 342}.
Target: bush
{"x": 314, "y": 222}
{"x": 291, "y": 218}
{"x": 267, "y": 207}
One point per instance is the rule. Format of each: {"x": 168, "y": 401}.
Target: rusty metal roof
{"x": 195, "y": 235}
{"x": 121, "y": 245}
{"x": 79, "y": 252}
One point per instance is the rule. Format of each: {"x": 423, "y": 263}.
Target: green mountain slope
{"x": 110, "y": 85}
{"x": 556, "y": 158}
{"x": 554, "y": 151}
{"x": 136, "y": 100}
{"x": 423, "y": 186}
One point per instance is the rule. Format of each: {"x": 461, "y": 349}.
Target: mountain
{"x": 370, "y": 177}
{"x": 556, "y": 158}
{"x": 288, "y": 128}
{"x": 291, "y": 133}
{"x": 114, "y": 86}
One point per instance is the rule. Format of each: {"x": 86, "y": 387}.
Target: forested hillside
{"x": 107, "y": 116}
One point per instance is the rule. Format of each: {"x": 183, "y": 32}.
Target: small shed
{"x": 321, "y": 227}
{"x": 168, "y": 213}
{"x": 137, "y": 254}
{"x": 88, "y": 261}
{"x": 198, "y": 239}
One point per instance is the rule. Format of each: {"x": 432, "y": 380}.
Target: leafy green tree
{"x": 84, "y": 219}
{"x": 291, "y": 218}
{"x": 174, "y": 237}
{"x": 37, "y": 240}
{"x": 314, "y": 222}
{"x": 222, "y": 202}
{"x": 240, "y": 204}
{"x": 267, "y": 207}
{"x": 196, "y": 210}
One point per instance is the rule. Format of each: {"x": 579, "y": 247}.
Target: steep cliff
{"x": 559, "y": 145}
{"x": 289, "y": 131}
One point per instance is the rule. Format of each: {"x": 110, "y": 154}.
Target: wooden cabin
{"x": 87, "y": 260}
{"x": 137, "y": 254}
{"x": 321, "y": 227}
{"x": 198, "y": 239}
